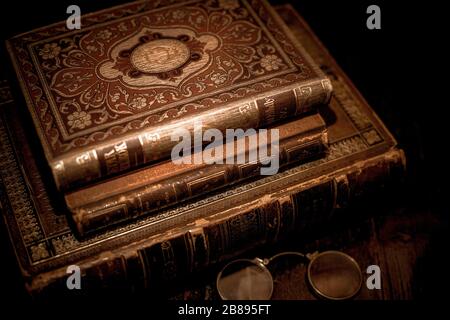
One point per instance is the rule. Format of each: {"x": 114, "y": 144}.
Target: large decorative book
{"x": 106, "y": 98}
{"x": 190, "y": 236}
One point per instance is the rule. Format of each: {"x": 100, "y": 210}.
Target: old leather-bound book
{"x": 106, "y": 98}
{"x": 362, "y": 158}
{"x": 144, "y": 191}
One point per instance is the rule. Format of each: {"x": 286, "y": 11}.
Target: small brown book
{"x": 106, "y": 98}
{"x": 362, "y": 158}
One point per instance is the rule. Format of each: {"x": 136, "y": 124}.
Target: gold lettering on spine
{"x": 83, "y": 158}
{"x": 306, "y": 91}
{"x": 302, "y": 95}
{"x": 122, "y": 155}
{"x": 147, "y": 140}
{"x": 89, "y": 162}
{"x": 245, "y": 109}
{"x": 81, "y": 168}
{"x": 269, "y": 104}
{"x": 250, "y": 112}
{"x": 110, "y": 161}
{"x": 117, "y": 159}
{"x": 314, "y": 93}
{"x": 283, "y": 111}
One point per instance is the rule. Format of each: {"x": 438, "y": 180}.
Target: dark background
{"x": 396, "y": 69}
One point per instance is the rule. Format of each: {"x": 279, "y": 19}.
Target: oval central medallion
{"x": 160, "y": 55}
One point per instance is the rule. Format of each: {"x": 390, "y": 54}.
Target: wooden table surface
{"x": 406, "y": 245}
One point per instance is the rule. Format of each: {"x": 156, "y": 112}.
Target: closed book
{"x": 121, "y": 199}
{"x": 107, "y": 98}
{"x": 362, "y": 158}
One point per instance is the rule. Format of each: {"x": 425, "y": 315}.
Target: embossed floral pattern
{"x": 117, "y": 93}
{"x": 50, "y": 51}
{"x": 178, "y": 14}
{"x": 229, "y": 4}
{"x": 79, "y": 119}
{"x": 115, "y": 97}
{"x": 218, "y": 78}
{"x": 271, "y": 62}
{"x": 372, "y": 137}
{"x": 122, "y": 27}
{"x": 39, "y": 252}
{"x": 91, "y": 48}
{"x": 104, "y": 34}
{"x": 138, "y": 103}
{"x": 92, "y": 101}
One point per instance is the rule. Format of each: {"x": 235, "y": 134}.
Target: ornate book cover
{"x": 106, "y": 98}
{"x": 150, "y": 189}
{"x": 362, "y": 157}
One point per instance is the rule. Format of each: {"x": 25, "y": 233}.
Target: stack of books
{"x": 165, "y": 137}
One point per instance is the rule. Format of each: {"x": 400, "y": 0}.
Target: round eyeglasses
{"x": 330, "y": 274}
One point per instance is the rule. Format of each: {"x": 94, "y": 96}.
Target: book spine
{"x": 78, "y": 169}
{"x": 191, "y": 248}
{"x": 200, "y": 180}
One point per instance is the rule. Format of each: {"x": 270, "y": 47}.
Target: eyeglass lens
{"x": 334, "y": 275}
{"x": 245, "y": 280}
